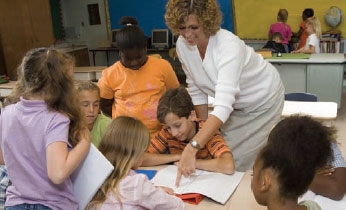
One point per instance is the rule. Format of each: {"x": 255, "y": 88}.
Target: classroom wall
{"x": 252, "y": 18}
{"x": 150, "y": 13}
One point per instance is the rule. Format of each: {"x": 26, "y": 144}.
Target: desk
{"x": 6, "y": 88}
{"x": 88, "y": 72}
{"x": 317, "y": 110}
{"x": 242, "y": 197}
{"x": 106, "y": 50}
{"x": 321, "y": 74}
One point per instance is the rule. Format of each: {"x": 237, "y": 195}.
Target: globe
{"x": 333, "y": 16}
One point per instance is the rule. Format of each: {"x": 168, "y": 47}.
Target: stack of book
{"x": 330, "y": 42}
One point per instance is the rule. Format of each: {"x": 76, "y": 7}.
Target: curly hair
{"x": 177, "y": 101}
{"x": 207, "y": 11}
{"x": 296, "y": 148}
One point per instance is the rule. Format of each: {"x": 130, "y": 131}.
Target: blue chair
{"x": 300, "y": 96}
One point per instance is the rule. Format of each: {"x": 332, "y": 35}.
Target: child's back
{"x": 285, "y": 167}
{"x": 123, "y": 144}
{"x": 38, "y": 128}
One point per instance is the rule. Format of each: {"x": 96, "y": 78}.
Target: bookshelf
{"x": 330, "y": 42}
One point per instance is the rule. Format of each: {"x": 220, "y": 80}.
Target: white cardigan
{"x": 231, "y": 72}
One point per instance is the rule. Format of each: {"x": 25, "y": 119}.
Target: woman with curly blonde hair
{"x": 248, "y": 91}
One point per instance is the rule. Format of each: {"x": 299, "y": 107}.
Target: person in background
{"x": 302, "y": 35}
{"x": 89, "y": 101}
{"x": 43, "y": 135}
{"x": 134, "y": 85}
{"x": 312, "y": 45}
{"x": 4, "y": 183}
{"x": 247, "y": 90}
{"x": 297, "y": 147}
{"x": 124, "y": 144}
{"x": 175, "y": 111}
{"x": 330, "y": 181}
{"x": 275, "y": 43}
{"x": 282, "y": 27}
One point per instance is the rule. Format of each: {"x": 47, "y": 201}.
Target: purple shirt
{"x": 26, "y": 129}
{"x": 283, "y": 29}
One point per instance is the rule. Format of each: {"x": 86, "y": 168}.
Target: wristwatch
{"x": 195, "y": 144}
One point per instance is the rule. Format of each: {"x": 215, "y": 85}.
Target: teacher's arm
{"x": 187, "y": 163}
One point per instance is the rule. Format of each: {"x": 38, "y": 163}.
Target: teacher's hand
{"x": 187, "y": 163}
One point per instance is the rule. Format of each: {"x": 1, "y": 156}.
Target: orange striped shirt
{"x": 165, "y": 143}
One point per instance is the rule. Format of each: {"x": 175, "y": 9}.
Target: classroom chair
{"x": 300, "y": 96}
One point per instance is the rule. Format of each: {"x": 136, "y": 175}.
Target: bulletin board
{"x": 252, "y": 18}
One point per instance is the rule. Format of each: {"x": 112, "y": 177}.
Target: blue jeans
{"x": 26, "y": 206}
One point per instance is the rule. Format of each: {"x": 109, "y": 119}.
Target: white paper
{"x": 89, "y": 176}
{"x": 216, "y": 186}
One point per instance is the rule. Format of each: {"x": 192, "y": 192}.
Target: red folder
{"x": 193, "y": 198}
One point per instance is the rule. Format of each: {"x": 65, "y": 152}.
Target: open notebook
{"x": 90, "y": 175}
{"x": 216, "y": 186}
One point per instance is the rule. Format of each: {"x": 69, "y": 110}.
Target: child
{"x": 89, "y": 100}
{"x": 123, "y": 144}
{"x": 134, "y": 85}
{"x": 275, "y": 43}
{"x": 43, "y": 134}
{"x": 282, "y": 27}
{"x": 302, "y": 35}
{"x": 297, "y": 147}
{"x": 313, "y": 28}
{"x": 330, "y": 182}
{"x": 175, "y": 111}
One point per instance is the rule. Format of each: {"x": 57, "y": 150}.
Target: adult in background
{"x": 248, "y": 91}
{"x": 133, "y": 85}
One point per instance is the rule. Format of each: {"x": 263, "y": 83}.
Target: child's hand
{"x": 168, "y": 190}
{"x": 84, "y": 135}
{"x": 326, "y": 171}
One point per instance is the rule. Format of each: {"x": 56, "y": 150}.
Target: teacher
{"x": 248, "y": 91}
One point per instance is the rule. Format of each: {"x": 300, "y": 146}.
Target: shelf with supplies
{"x": 331, "y": 42}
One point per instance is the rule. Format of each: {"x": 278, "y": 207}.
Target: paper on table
{"x": 90, "y": 175}
{"x": 216, "y": 186}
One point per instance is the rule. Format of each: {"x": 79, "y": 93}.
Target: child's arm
{"x": 301, "y": 50}
{"x": 61, "y": 162}
{"x": 332, "y": 186}
{"x": 106, "y": 106}
{"x": 224, "y": 164}
{"x": 154, "y": 159}
{"x": 2, "y": 162}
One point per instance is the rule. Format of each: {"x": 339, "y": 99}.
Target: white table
{"x": 88, "y": 72}
{"x": 317, "y": 110}
{"x": 6, "y": 88}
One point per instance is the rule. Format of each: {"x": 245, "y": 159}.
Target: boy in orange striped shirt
{"x": 176, "y": 112}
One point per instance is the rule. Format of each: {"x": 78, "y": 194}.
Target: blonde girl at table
{"x": 313, "y": 28}
{"x": 248, "y": 91}
{"x": 124, "y": 144}
{"x": 89, "y": 101}
{"x": 297, "y": 148}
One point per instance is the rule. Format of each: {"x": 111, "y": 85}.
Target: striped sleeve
{"x": 158, "y": 143}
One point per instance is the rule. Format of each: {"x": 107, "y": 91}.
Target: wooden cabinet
{"x": 24, "y": 25}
